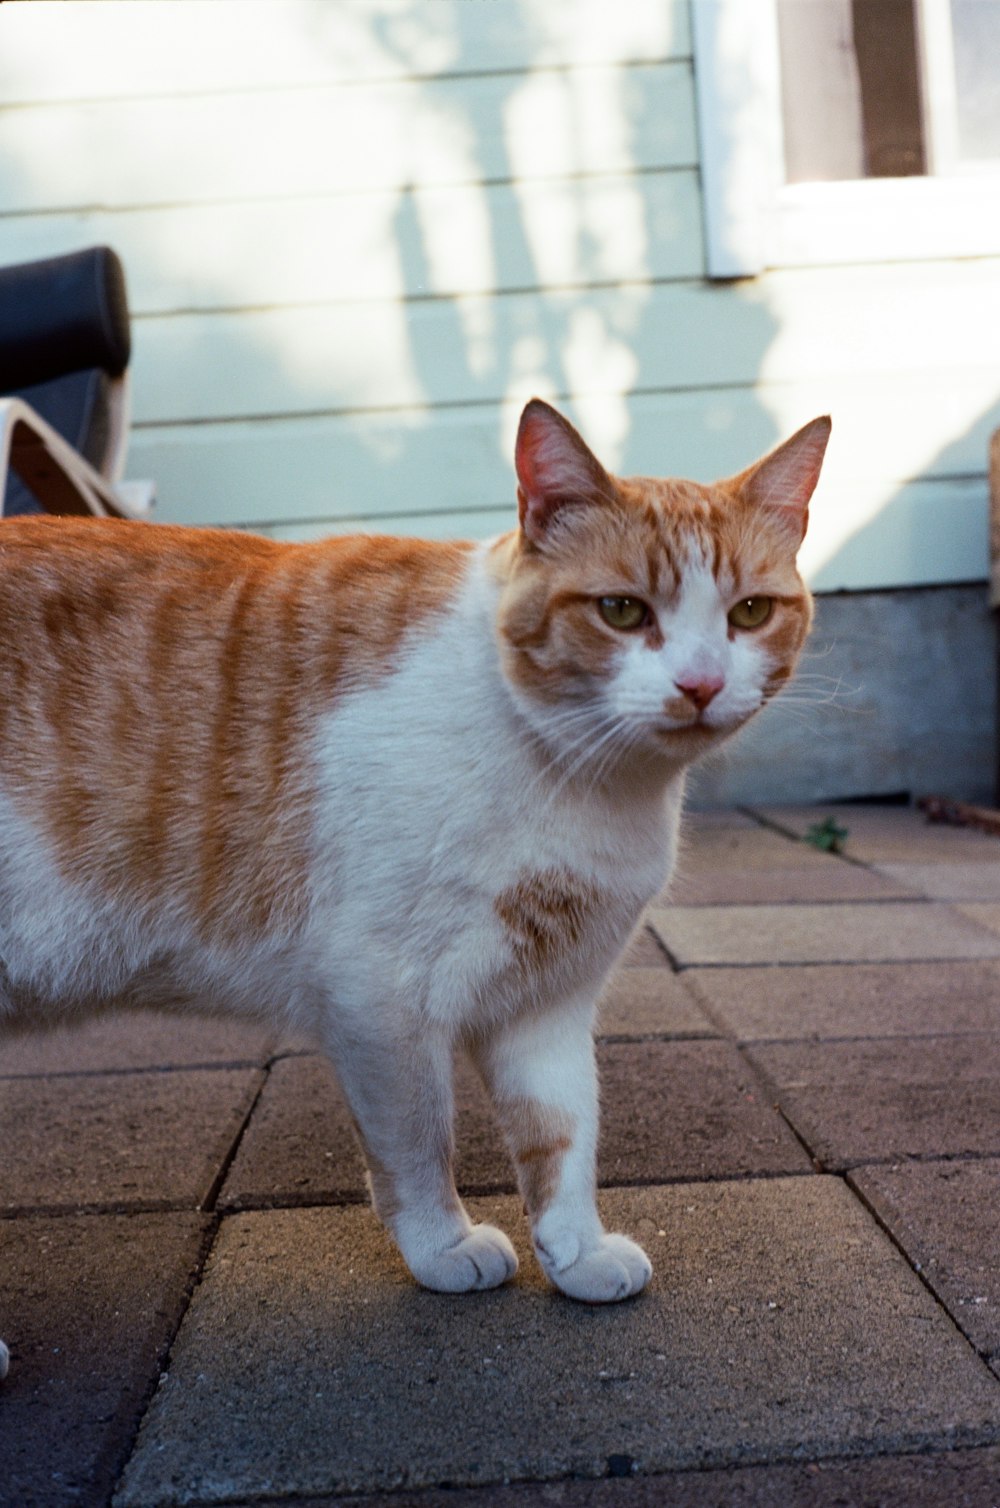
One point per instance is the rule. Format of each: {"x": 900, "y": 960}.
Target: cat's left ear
{"x": 556, "y": 471}
{"x": 786, "y": 478}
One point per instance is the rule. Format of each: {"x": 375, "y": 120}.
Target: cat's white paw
{"x": 610, "y": 1269}
{"x": 482, "y": 1259}
{"x": 4, "y": 1360}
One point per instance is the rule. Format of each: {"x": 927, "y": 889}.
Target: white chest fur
{"x": 436, "y": 803}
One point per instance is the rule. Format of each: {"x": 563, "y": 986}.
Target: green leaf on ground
{"x": 827, "y": 835}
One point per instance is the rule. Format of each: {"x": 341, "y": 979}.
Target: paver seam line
{"x": 157, "y": 1069}
{"x": 195, "y": 1276}
{"x": 895, "y": 1038}
{"x": 676, "y": 1475}
{"x": 249, "y": 1203}
{"x": 982, "y": 1356}
{"x": 527, "y": 1487}
{"x": 658, "y": 940}
{"x": 769, "y": 1090}
{"x": 771, "y": 826}
{"x": 194, "y": 1280}
{"x": 226, "y": 1161}
{"x": 664, "y": 1036}
{"x": 826, "y": 963}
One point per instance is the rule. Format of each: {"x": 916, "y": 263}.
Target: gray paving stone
{"x": 983, "y": 913}
{"x": 139, "y": 1040}
{"x": 827, "y": 1001}
{"x": 830, "y": 881}
{"x": 299, "y": 1147}
{"x": 688, "y": 1110}
{"x": 961, "y": 1479}
{"x": 882, "y": 1101}
{"x": 890, "y": 834}
{"x": 118, "y": 1141}
{"x": 893, "y": 931}
{"x": 944, "y": 1216}
{"x": 781, "y": 1323}
{"x": 670, "y": 1109}
{"x": 88, "y": 1304}
{"x": 702, "y": 819}
{"x": 947, "y": 882}
{"x": 644, "y": 1002}
{"x": 725, "y": 849}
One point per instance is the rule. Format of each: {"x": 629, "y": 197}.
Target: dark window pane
{"x": 885, "y": 41}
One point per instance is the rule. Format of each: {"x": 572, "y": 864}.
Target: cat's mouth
{"x": 699, "y": 726}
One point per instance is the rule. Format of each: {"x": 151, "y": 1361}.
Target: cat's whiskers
{"x": 596, "y": 745}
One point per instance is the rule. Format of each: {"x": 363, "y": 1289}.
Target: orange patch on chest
{"x": 546, "y": 916}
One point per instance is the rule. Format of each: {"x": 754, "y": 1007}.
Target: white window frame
{"x": 754, "y": 220}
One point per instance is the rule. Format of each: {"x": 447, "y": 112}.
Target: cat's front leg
{"x": 542, "y": 1077}
{"x": 400, "y": 1093}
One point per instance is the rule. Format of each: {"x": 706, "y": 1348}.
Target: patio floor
{"x": 800, "y": 1061}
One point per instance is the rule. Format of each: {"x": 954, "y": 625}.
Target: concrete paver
{"x": 753, "y": 850}
{"x": 947, "y": 882}
{"x": 944, "y": 1216}
{"x": 688, "y": 1110}
{"x": 644, "y": 1002}
{"x": 959, "y": 1479}
{"x": 116, "y": 1042}
{"x": 739, "y": 866}
{"x": 890, "y": 834}
{"x": 983, "y": 913}
{"x": 832, "y": 881}
{"x": 851, "y": 933}
{"x": 88, "y": 1305}
{"x": 781, "y": 1323}
{"x": 880, "y": 1101}
{"x": 826, "y": 1001}
{"x": 110, "y": 1141}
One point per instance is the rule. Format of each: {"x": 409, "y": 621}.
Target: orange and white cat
{"x": 411, "y": 797}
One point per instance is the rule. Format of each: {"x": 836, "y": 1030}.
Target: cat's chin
{"x": 690, "y": 740}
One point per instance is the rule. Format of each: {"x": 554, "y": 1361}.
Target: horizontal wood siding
{"x": 358, "y": 235}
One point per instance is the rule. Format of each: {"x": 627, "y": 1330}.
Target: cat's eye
{"x": 625, "y": 613}
{"x": 751, "y": 612}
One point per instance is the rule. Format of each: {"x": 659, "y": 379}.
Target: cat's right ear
{"x": 556, "y": 470}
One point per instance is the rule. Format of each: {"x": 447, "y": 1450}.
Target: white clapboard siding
{"x": 150, "y": 47}
{"x": 327, "y": 140}
{"x": 451, "y": 240}
{"x": 452, "y": 465}
{"x": 640, "y": 336}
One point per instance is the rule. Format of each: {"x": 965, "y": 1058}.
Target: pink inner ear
{"x": 786, "y": 479}
{"x": 555, "y": 468}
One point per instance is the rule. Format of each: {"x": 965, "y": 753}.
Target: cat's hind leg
{"x": 400, "y": 1096}
{"x": 542, "y": 1077}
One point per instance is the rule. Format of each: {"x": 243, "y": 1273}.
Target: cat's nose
{"x": 700, "y": 690}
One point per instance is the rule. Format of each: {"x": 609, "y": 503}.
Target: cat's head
{"x": 668, "y": 611}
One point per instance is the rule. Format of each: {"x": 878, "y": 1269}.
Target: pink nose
{"x": 701, "y": 691}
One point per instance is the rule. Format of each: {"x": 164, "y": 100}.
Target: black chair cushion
{"x": 64, "y": 314}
